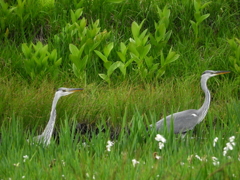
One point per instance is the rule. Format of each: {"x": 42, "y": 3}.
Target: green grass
{"x": 121, "y": 111}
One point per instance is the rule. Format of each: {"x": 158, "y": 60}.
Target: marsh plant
{"x": 39, "y": 62}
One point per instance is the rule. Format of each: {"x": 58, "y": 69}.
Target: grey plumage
{"x": 186, "y": 120}
{"x": 47, "y": 133}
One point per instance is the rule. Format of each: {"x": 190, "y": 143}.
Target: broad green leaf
{"x": 171, "y": 57}
{"x": 122, "y": 68}
{"x": 206, "y": 4}
{"x": 149, "y": 61}
{"x": 26, "y": 50}
{"x": 73, "y": 49}
{"x": 107, "y": 64}
{"x": 104, "y": 58}
{"x": 197, "y": 5}
{"x": 123, "y": 48}
{"x": 58, "y": 62}
{"x": 78, "y": 13}
{"x": 135, "y": 29}
{"x": 121, "y": 56}
{"x": 53, "y": 55}
{"x": 105, "y": 78}
{"x": 107, "y": 49}
{"x": 112, "y": 68}
{"x": 73, "y": 18}
{"x": 76, "y": 71}
{"x": 145, "y": 51}
{"x": 203, "y": 17}
{"x": 83, "y": 63}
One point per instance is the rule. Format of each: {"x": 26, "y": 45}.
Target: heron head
{"x": 66, "y": 91}
{"x": 211, "y": 73}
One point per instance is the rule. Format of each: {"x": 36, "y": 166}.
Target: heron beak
{"x": 222, "y": 72}
{"x": 75, "y": 89}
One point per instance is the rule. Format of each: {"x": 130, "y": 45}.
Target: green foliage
{"x": 109, "y": 65}
{"x": 199, "y": 18}
{"x": 83, "y": 39}
{"x": 39, "y": 63}
{"x": 235, "y": 57}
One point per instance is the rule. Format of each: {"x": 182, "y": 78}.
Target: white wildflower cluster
{"x": 215, "y": 161}
{"x": 109, "y": 145}
{"x": 88, "y": 176}
{"x": 161, "y": 140}
{"x": 215, "y": 141}
{"x": 25, "y": 158}
{"x": 135, "y": 162}
{"x": 198, "y": 157}
{"x": 229, "y": 145}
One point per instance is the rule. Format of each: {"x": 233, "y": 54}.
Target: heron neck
{"x": 47, "y": 133}
{"x": 203, "y": 110}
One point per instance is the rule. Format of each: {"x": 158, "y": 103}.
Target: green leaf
{"x": 73, "y": 49}
{"x": 123, "y": 48}
{"x": 171, "y": 57}
{"x": 112, "y": 68}
{"x": 76, "y": 71}
{"x": 145, "y": 51}
{"x": 121, "y": 56}
{"x": 53, "y": 55}
{"x": 135, "y": 29}
{"x": 122, "y": 68}
{"x": 58, "y": 62}
{"x": 105, "y": 78}
{"x": 202, "y": 18}
{"x": 107, "y": 49}
{"x": 104, "y": 58}
{"x": 26, "y": 50}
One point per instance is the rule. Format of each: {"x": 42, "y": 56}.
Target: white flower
{"x": 160, "y": 138}
{"x": 16, "y": 164}
{"x": 231, "y": 139}
{"x": 181, "y": 163}
{"x": 196, "y": 156}
{"x": 214, "y": 141}
{"x": 215, "y": 161}
{"x": 229, "y": 146}
{"x": 109, "y": 145}
{"x": 161, "y": 145}
{"x": 224, "y": 153}
{"x": 63, "y": 163}
{"x": 158, "y": 157}
{"x": 25, "y": 158}
{"x": 134, "y": 161}
{"x": 23, "y": 177}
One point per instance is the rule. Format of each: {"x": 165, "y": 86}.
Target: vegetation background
{"x": 137, "y": 61}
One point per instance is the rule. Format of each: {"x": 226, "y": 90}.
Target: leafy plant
{"x": 235, "y": 58}
{"x": 109, "y": 65}
{"x": 199, "y": 18}
{"x": 139, "y": 47}
{"x": 39, "y": 62}
{"x": 82, "y": 39}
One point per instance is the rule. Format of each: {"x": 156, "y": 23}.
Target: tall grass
{"x": 122, "y": 111}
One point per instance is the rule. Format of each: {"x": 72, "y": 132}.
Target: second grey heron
{"x": 186, "y": 120}
{"x": 47, "y": 133}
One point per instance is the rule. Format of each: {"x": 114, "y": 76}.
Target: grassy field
{"x": 137, "y": 61}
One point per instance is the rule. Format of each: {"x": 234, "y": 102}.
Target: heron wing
{"x": 182, "y": 121}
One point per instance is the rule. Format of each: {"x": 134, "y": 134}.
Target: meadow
{"x": 137, "y": 61}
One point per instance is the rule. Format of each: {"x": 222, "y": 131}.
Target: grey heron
{"x": 186, "y": 120}
{"x": 47, "y": 133}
